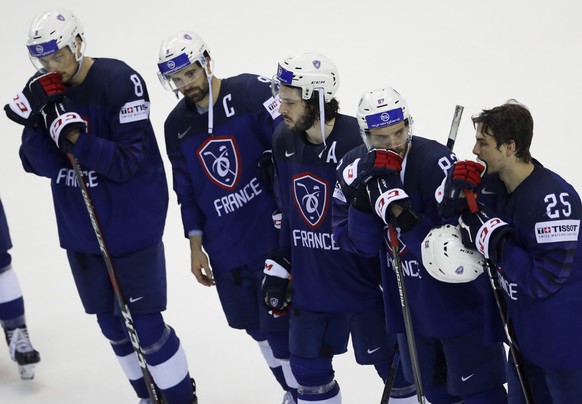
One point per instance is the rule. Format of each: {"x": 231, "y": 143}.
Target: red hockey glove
{"x": 463, "y": 175}
{"x": 37, "y": 93}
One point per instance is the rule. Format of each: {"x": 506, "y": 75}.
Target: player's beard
{"x": 195, "y": 94}
{"x": 303, "y": 123}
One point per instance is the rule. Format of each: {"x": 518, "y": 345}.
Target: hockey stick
{"x": 408, "y": 328}
{"x": 153, "y": 394}
{"x": 402, "y": 291}
{"x": 502, "y": 308}
{"x": 389, "y": 383}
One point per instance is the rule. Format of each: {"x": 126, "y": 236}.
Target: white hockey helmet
{"x": 382, "y": 107}
{"x": 446, "y": 258}
{"x": 52, "y": 31}
{"x": 308, "y": 72}
{"x": 178, "y": 52}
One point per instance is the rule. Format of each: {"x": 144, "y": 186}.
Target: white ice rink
{"x": 436, "y": 53}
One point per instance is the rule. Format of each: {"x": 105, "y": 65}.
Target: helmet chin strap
{"x": 322, "y": 119}
{"x": 210, "y": 98}
{"x": 80, "y": 58}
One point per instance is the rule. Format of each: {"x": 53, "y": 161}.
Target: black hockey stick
{"x": 408, "y": 328}
{"x": 402, "y": 291}
{"x": 153, "y": 394}
{"x": 389, "y": 383}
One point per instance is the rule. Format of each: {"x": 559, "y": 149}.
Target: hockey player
{"x": 12, "y": 316}
{"x": 529, "y": 230}
{"x": 216, "y": 138}
{"x": 97, "y": 109}
{"x": 335, "y": 293}
{"x": 392, "y": 181}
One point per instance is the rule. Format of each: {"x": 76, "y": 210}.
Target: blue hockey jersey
{"x": 438, "y": 309}
{"x": 541, "y": 270}
{"x": 324, "y": 277}
{"x": 217, "y": 178}
{"x": 120, "y": 160}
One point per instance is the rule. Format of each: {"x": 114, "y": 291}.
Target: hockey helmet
{"x": 446, "y": 258}
{"x": 308, "y": 72}
{"x": 178, "y": 52}
{"x": 50, "y": 32}
{"x": 381, "y": 107}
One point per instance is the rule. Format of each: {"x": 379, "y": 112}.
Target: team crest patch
{"x": 220, "y": 158}
{"x": 317, "y": 64}
{"x": 310, "y": 194}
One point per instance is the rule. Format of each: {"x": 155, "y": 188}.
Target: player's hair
{"x": 507, "y": 122}
{"x": 330, "y": 109}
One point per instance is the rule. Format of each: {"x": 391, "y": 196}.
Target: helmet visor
{"x": 178, "y": 72}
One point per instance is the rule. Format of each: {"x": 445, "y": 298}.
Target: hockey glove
{"x": 485, "y": 233}
{"x": 386, "y": 192}
{"x": 463, "y": 175}
{"x": 37, "y": 93}
{"x": 267, "y": 166}
{"x": 376, "y": 163}
{"x": 60, "y": 120}
{"x": 276, "y": 286}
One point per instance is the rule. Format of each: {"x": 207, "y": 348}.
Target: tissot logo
{"x": 557, "y": 231}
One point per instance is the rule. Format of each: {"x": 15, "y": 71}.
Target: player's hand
{"x": 276, "y": 284}
{"x": 485, "y": 233}
{"x": 200, "y": 267}
{"x": 376, "y": 163}
{"x": 463, "y": 175}
{"x": 60, "y": 121}
{"x": 388, "y": 198}
{"x": 37, "y": 93}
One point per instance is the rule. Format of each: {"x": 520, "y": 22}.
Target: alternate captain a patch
{"x": 221, "y": 160}
{"x": 311, "y": 196}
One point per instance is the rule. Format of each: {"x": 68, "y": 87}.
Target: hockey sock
{"x": 11, "y": 301}
{"x": 166, "y": 358}
{"x": 274, "y": 363}
{"x": 289, "y": 378}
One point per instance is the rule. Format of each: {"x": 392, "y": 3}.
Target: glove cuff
{"x": 68, "y": 119}
{"x": 385, "y": 199}
{"x": 272, "y": 268}
{"x": 484, "y": 239}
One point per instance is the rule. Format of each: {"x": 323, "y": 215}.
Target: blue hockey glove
{"x": 276, "y": 285}
{"x": 391, "y": 203}
{"x": 60, "y": 120}
{"x": 37, "y": 93}
{"x": 463, "y": 175}
{"x": 485, "y": 233}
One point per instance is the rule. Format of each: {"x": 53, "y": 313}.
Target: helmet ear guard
{"x": 446, "y": 259}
